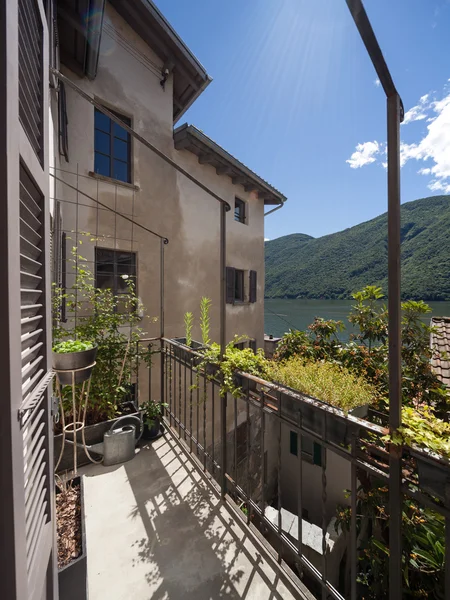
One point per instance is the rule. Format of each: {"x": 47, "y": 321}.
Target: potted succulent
{"x": 73, "y": 355}
{"x": 152, "y": 412}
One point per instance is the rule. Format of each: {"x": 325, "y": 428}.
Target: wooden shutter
{"x": 230, "y": 284}
{"x": 252, "y": 286}
{"x": 30, "y": 73}
{"x": 28, "y": 566}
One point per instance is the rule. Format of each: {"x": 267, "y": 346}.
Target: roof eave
{"x": 207, "y": 151}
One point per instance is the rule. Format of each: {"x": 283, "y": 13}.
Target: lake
{"x": 281, "y": 315}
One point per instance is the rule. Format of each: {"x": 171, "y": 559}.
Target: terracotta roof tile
{"x": 440, "y": 343}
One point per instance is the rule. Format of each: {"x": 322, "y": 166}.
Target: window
{"x": 252, "y": 345}
{"x": 239, "y": 210}
{"x": 311, "y": 451}
{"x": 241, "y": 285}
{"x": 114, "y": 270}
{"x": 238, "y": 285}
{"x": 112, "y": 146}
{"x": 240, "y": 345}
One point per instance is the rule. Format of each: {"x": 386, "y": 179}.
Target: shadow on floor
{"x": 178, "y": 540}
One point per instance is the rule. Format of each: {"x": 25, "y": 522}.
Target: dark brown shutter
{"x": 252, "y": 295}
{"x": 30, "y": 73}
{"x": 230, "y": 285}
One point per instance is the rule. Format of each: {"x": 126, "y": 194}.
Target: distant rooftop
{"x": 188, "y": 137}
{"x": 440, "y": 343}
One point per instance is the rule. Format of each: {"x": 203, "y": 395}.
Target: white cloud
{"x": 267, "y": 239}
{"x": 364, "y": 154}
{"x": 377, "y": 82}
{"x": 418, "y": 112}
{"x": 434, "y": 146}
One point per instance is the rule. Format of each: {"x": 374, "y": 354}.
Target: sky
{"x": 295, "y": 97}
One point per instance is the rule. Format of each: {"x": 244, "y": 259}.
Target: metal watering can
{"x": 120, "y": 441}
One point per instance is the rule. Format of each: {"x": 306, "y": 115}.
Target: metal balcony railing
{"x": 284, "y": 459}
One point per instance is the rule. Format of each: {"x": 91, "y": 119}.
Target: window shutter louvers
{"x": 253, "y": 283}
{"x": 230, "y": 285}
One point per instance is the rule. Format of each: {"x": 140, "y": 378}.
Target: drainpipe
{"x": 274, "y": 209}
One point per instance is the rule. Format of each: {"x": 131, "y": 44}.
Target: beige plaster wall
{"x": 165, "y": 201}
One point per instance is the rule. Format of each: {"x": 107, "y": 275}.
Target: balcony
{"x": 156, "y": 529}
{"x": 225, "y": 505}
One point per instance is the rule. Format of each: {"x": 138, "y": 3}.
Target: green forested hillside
{"x": 334, "y": 266}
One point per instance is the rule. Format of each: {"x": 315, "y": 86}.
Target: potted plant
{"x": 115, "y": 325}
{"x": 71, "y": 355}
{"x": 180, "y": 350}
{"x": 322, "y": 395}
{"x": 71, "y": 537}
{"x": 152, "y": 412}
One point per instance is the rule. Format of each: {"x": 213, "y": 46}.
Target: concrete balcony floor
{"x": 156, "y": 530}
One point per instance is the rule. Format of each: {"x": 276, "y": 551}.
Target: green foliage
{"x": 188, "y": 323}
{"x": 153, "y": 411}
{"x": 72, "y": 346}
{"x": 325, "y": 381}
{"x": 333, "y": 266}
{"x": 235, "y": 359}
{"x": 205, "y": 305}
{"x": 366, "y": 354}
{"x": 423, "y": 545}
{"x": 110, "y": 322}
{"x": 421, "y": 427}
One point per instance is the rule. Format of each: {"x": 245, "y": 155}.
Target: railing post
{"x": 395, "y": 360}
{"x": 223, "y": 307}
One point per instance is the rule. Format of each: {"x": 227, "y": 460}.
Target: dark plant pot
{"x": 153, "y": 432}
{"x": 93, "y": 435}
{"x": 433, "y": 475}
{"x": 184, "y": 354}
{"x": 212, "y": 370}
{"x": 72, "y": 579}
{"x": 244, "y": 383}
{"x": 70, "y": 361}
{"x": 319, "y": 418}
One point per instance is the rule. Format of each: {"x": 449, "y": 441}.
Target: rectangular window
{"x": 252, "y": 345}
{"x": 115, "y": 270}
{"x": 238, "y": 285}
{"x": 311, "y": 451}
{"x": 293, "y": 443}
{"x": 240, "y": 345}
{"x": 239, "y": 210}
{"x": 112, "y": 146}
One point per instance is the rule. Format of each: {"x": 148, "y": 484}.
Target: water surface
{"x": 281, "y": 315}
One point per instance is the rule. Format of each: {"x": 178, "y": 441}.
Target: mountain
{"x": 334, "y": 266}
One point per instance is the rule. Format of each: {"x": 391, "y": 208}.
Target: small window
{"x": 293, "y": 443}
{"x": 238, "y": 285}
{"x": 239, "y": 210}
{"x": 240, "y": 345}
{"x": 252, "y": 345}
{"x": 115, "y": 270}
{"x": 311, "y": 451}
{"x": 112, "y": 146}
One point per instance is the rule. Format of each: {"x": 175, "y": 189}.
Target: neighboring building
{"x": 140, "y": 69}
{"x": 440, "y": 345}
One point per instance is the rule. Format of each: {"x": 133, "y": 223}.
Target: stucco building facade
{"x": 136, "y": 80}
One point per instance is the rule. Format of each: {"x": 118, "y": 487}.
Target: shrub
{"x": 325, "y": 381}
{"x": 70, "y": 346}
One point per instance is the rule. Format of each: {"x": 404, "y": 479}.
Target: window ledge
{"x": 130, "y": 186}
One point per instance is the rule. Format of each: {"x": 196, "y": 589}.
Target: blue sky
{"x": 294, "y": 97}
